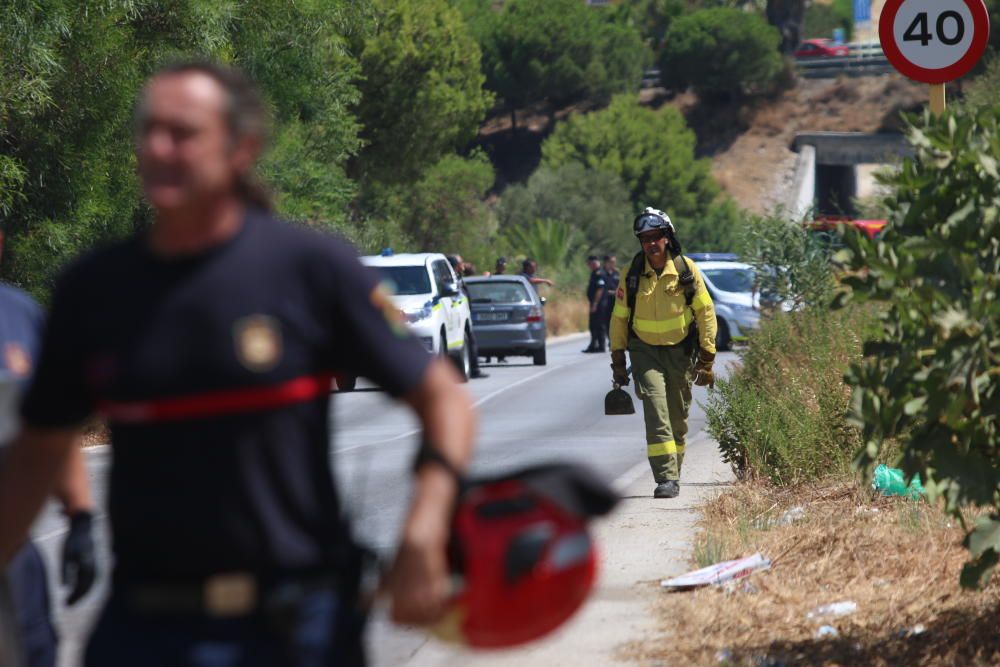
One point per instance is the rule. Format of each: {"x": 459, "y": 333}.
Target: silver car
{"x": 737, "y": 303}
{"x": 508, "y": 317}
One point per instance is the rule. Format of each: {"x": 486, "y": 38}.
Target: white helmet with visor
{"x": 652, "y": 219}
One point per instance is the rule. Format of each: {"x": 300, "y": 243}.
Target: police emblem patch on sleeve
{"x": 381, "y": 298}
{"x": 257, "y": 339}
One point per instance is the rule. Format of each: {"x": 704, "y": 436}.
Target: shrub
{"x": 559, "y": 51}
{"x": 932, "y": 378}
{"x": 652, "y": 152}
{"x": 593, "y": 202}
{"x": 780, "y": 415}
{"x": 444, "y": 211}
{"x": 792, "y": 266}
{"x": 822, "y": 19}
{"x": 721, "y": 51}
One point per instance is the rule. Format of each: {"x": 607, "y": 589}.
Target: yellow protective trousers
{"x": 663, "y": 376}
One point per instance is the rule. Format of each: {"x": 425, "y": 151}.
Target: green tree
{"x": 652, "y": 152}
{"x": 721, "y": 52}
{"x": 559, "y": 51}
{"x": 653, "y": 18}
{"x": 445, "y": 210}
{"x": 593, "y": 202}
{"x": 931, "y": 380}
{"x": 422, "y": 89}
{"x": 821, "y": 19}
{"x": 68, "y": 82}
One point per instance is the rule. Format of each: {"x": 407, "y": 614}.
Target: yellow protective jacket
{"x": 661, "y": 315}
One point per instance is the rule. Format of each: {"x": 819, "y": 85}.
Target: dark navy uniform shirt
{"x": 20, "y": 331}
{"x": 214, "y": 373}
{"x": 596, "y": 283}
{"x": 611, "y": 280}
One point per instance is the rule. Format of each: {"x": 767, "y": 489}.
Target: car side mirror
{"x": 449, "y": 290}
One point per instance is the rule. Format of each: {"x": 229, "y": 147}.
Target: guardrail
{"x": 865, "y": 59}
{"x": 829, "y": 68}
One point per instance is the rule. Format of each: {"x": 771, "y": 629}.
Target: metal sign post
{"x": 934, "y": 41}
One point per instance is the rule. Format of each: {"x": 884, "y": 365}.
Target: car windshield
{"x": 731, "y": 280}
{"x": 406, "y": 280}
{"x": 497, "y": 291}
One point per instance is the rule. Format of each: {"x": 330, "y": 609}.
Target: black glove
{"x": 703, "y": 375}
{"x": 79, "y": 562}
{"x": 619, "y": 369}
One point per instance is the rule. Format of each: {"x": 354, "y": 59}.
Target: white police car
{"x": 428, "y": 293}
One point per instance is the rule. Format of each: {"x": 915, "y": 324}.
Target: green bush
{"x": 444, "y": 211}
{"x": 593, "y": 202}
{"x": 932, "y": 378}
{"x": 822, "y": 19}
{"x": 792, "y": 266}
{"x": 780, "y": 415}
{"x": 548, "y": 242}
{"x": 652, "y": 152}
{"x": 559, "y": 51}
{"x": 721, "y": 52}
{"x": 983, "y": 91}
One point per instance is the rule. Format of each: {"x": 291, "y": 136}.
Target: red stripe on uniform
{"x": 219, "y": 403}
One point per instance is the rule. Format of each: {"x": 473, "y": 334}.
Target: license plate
{"x": 492, "y": 317}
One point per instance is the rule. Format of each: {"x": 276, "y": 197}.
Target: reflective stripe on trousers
{"x": 663, "y": 376}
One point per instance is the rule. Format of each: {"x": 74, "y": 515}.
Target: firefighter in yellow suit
{"x": 664, "y": 317}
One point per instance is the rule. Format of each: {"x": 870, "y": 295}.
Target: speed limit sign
{"x": 934, "y": 41}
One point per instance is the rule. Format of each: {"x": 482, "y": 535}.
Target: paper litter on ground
{"x": 718, "y": 573}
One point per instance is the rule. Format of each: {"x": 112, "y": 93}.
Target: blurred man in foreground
{"x": 209, "y": 342}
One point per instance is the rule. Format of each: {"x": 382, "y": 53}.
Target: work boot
{"x": 478, "y": 375}
{"x": 667, "y": 489}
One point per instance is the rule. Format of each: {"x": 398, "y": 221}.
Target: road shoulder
{"x": 642, "y": 542}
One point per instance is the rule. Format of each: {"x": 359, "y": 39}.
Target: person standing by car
{"x": 209, "y": 341}
{"x": 611, "y": 280}
{"x": 529, "y": 269}
{"x": 661, "y": 316}
{"x": 501, "y": 266}
{"x": 20, "y": 333}
{"x": 596, "y": 288}
{"x": 459, "y": 266}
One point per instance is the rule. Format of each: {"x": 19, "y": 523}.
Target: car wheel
{"x": 346, "y": 382}
{"x": 463, "y": 362}
{"x": 539, "y": 357}
{"x": 723, "y": 339}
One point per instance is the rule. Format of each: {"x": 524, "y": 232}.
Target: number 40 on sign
{"x": 934, "y": 41}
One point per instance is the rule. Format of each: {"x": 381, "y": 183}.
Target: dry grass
{"x": 566, "y": 314}
{"x": 898, "y": 560}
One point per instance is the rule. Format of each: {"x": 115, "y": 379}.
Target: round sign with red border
{"x": 934, "y": 41}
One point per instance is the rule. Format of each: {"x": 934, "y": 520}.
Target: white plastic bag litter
{"x": 718, "y": 573}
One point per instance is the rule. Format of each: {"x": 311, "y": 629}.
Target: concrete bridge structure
{"x": 826, "y": 173}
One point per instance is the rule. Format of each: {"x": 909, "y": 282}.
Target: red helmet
{"x": 523, "y": 553}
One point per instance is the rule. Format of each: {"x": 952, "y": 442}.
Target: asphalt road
{"x": 527, "y": 414}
